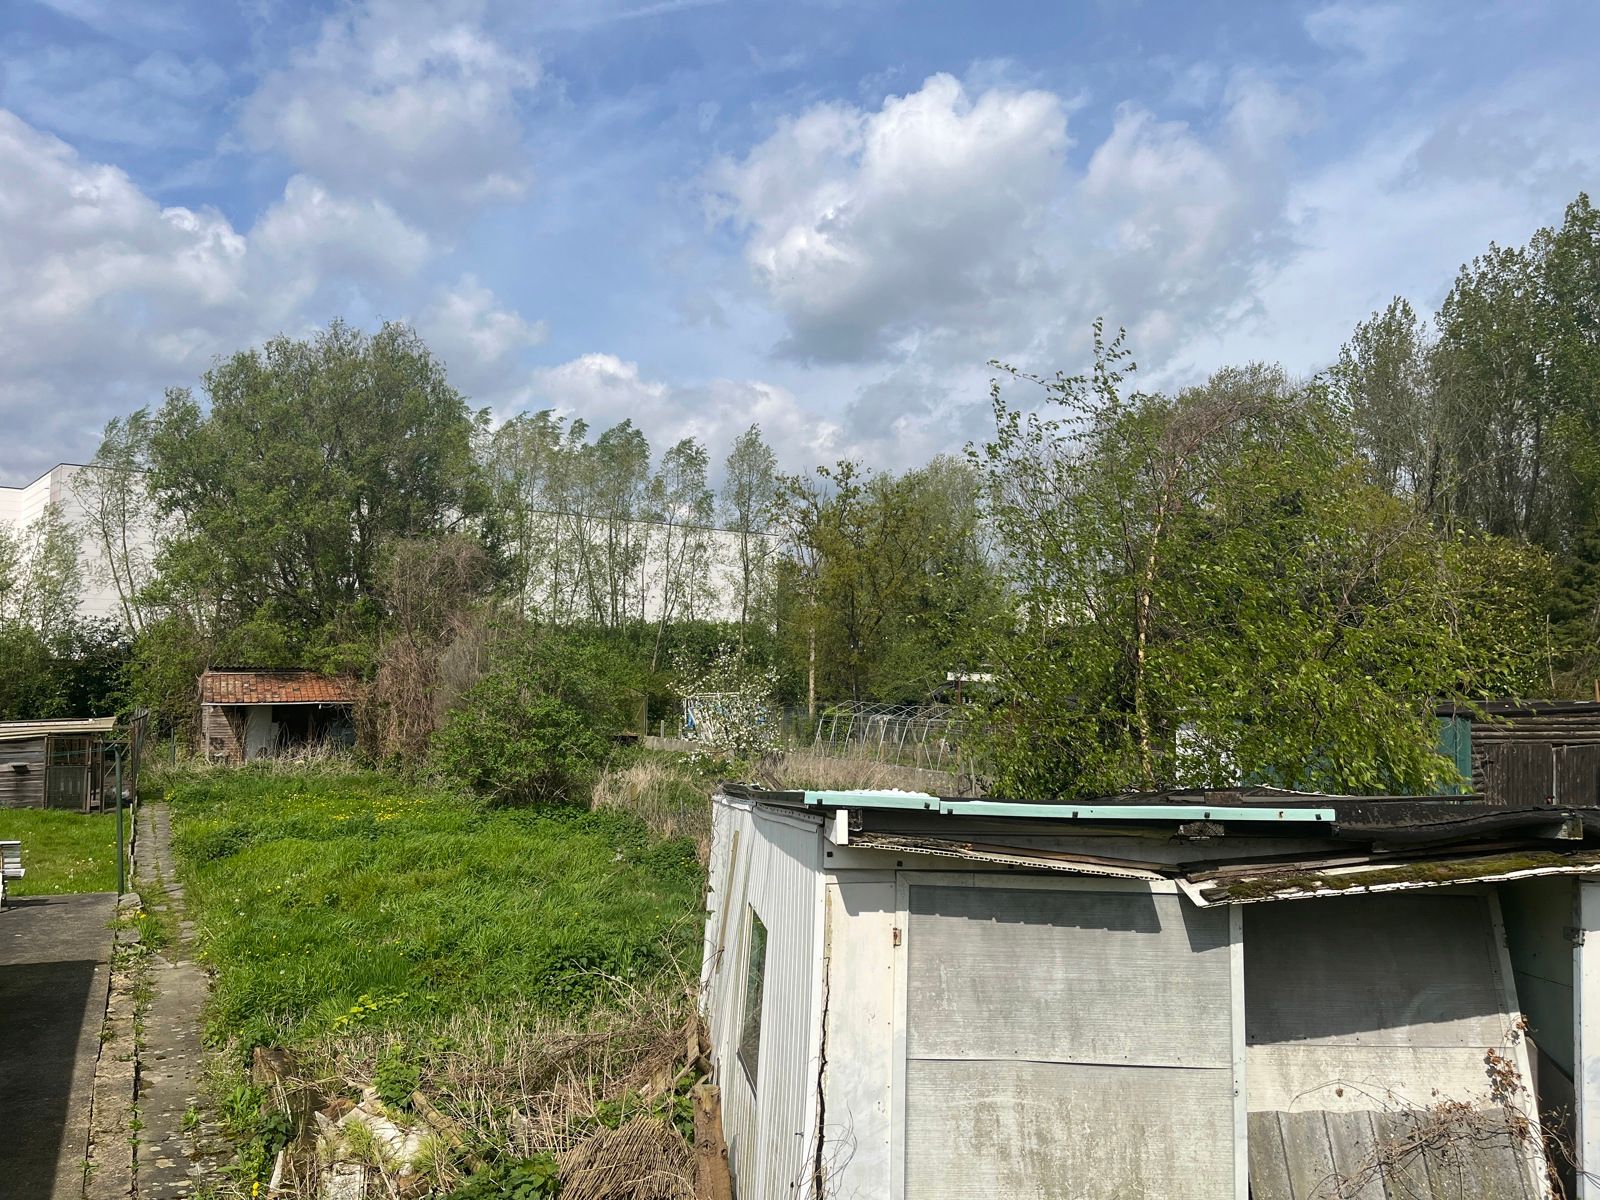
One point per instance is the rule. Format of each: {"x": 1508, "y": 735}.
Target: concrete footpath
{"x": 55, "y": 954}
{"x": 179, "y": 1146}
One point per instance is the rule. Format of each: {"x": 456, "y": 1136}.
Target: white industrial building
{"x": 712, "y": 595}
{"x": 922, "y": 998}
{"x": 21, "y": 506}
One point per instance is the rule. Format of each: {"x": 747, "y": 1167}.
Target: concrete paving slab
{"x": 55, "y": 954}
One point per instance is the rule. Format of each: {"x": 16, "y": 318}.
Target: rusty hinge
{"x": 897, "y": 935}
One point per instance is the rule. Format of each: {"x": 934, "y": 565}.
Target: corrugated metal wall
{"x": 770, "y": 862}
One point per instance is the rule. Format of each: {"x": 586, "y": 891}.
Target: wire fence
{"x": 914, "y": 735}
{"x": 933, "y": 737}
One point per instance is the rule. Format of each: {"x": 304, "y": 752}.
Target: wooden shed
{"x": 1528, "y": 752}
{"x": 57, "y": 764}
{"x": 250, "y": 712}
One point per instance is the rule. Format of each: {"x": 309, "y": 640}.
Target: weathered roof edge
{"x": 14, "y": 730}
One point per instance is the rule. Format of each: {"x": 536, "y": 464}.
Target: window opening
{"x": 754, "y": 976}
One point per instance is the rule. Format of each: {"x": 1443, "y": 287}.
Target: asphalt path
{"x": 54, "y": 971}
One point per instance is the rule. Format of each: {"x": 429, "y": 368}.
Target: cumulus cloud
{"x": 105, "y": 290}
{"x": 313, "y": 233}
{"x": 111, "y": 297}
{"x": 863, "y": 226}
{"x": 417, "y": 104}
{"x": 948, "y": 226}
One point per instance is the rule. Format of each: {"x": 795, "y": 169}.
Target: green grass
{"x": 63, "y": 851}
{"x": 328, "y": 902}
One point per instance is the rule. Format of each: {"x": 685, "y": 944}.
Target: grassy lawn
{"x": 345, "y": 902}
{"x": 63, "y": 851}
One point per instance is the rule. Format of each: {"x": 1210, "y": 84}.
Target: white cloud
{"x": 479, "y": 341}
{"x": 89, "y": 91}
{"x": 311, "y": 233}
{"x": 864, "y": 226}
{"x": 1375, "y": 35}
{"x": 416, "y": 104}
{"x": 947, "y": 228}
{"x": 110, "y": 297}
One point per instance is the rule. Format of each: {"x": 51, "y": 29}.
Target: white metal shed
{"x": 921, "y": 998}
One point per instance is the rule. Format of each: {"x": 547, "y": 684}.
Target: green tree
{"x": 681, "y": 507}
{"x": 310, "y": 458}
{"x": 119, "y": 514}
{"x": 881, "y": 573}
{"x": 749, "y": 492}
{"x": 535, "y": 729}
{"x": 41, "y": 573}
{"x": 1208, "y": 591}
{"x": 1384, "y": 382}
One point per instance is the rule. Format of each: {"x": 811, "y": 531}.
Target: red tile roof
{"x": 275, "y": 687}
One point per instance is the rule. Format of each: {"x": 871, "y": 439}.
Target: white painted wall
{"x": 769, "y": 862}
{"x": 836, "y": 1003}
{"x": 1586, "y": 974}
{"x": 21, "y": 506}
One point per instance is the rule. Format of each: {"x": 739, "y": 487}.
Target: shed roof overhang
{"x": 15, "y": 730}
{"x": 1258, "y": 843}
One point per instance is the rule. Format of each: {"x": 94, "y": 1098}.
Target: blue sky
{"x": 822, "y": 216}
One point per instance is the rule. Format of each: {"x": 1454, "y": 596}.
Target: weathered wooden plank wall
{"x": 1536, "y": 757}
{"x": 222, "y": 732}
{"x": 22, "y": 789}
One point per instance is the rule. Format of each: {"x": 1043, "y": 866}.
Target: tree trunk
{"x": 811, "y": 671}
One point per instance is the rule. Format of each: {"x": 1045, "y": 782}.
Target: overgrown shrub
{"x": 535, "y": 729}
{"x": 526, "y": 1179}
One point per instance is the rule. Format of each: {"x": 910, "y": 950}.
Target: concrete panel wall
{"x": 1067, "y": 1041}
{"x": 1538, "y": 913}
{"x": 1368, "y": 1017}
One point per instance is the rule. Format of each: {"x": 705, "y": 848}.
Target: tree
{"x": 433, "y": 590}
{"x": 682, "y": 506}
{"x": 526, "y": 461}
{"x": 311, "y": 457}
{"x": 880, "y": 575}
{"x": 749, "y": 492}
{"x": 41, "y": 574}
{"x": 535, "y": 728}
{"x": 1498, "y": 414}
{"x": 1383, "y": 380}
{"x": 119, "y": 514}
{"x": 1208, "y": 591}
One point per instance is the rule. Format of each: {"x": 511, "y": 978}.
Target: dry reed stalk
{"x": 645, "y": 1159}
{"x": 671, "y": 803}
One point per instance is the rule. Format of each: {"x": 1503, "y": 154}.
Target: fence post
{"x": 122, "y": 866}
